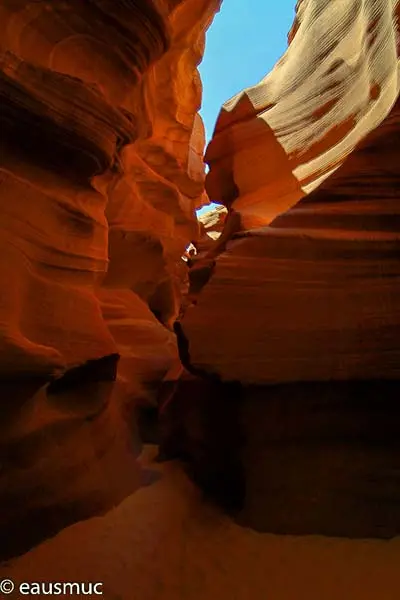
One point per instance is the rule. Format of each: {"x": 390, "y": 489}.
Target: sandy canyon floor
{"x": 165, "y": 543}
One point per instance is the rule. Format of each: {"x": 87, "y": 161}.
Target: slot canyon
{"x": 203, "y": 406}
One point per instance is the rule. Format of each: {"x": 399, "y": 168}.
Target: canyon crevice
{"x": 298, "y": 302}
{"x": 281, "y": 393}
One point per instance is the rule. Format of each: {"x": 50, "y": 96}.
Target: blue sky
{"x": 244, "y": 42}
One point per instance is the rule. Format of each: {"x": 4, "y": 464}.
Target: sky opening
{"x": 244, "y": 42}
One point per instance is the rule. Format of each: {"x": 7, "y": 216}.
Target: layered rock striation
{"x": 315, "y": 295}
{"x": 299, "y": 300}
{"x": 280, "y": 139}
{"x": 101, "y": 172}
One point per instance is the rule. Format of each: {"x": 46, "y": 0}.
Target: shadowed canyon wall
{"x": 101, "y": 173}
{"x": 298, "y": 302}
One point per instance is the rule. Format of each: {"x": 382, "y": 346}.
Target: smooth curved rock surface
{"x": 100, "y": 176}
{"x": 103, "y": 190}
{"x": 316, "y": 295}
{"x": 297, "y": 305}
{"x": 68, "y": 451}
{"x": 277, "y": 141}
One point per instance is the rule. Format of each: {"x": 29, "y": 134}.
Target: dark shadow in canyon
{"x": 307, "y": 458}
{"x": 69, "y": 452}
{"x": 323, "y": 458}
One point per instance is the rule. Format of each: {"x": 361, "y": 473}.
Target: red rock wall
{"x": 101, "y": 171}
{"x": 294, "y": 326}
{"x": 280, "y": 139}
{"x": 315, "y": 295}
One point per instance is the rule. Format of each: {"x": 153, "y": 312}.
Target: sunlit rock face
{"x": 315, "y": 295}
{"x": 212, "y": 222}
{"x": 100, "y": 176}
{"x": 295, "y": 322}
{"x": 277, "y": 141}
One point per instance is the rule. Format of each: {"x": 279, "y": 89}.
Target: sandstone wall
{"x": 316, "y": 294}
{"x": 280, "y": 139}
{"x": 293, "y": 330}
{"x": 101, "y": 171}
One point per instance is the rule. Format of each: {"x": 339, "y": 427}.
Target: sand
{"x": 165, "y": 543}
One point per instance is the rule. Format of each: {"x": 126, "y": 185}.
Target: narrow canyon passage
{"x": 199, "y": 407}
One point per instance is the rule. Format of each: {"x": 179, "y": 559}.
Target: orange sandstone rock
{"x": 277, "y": 141}
{"x": 100, "y": 177}
{"x": 212, "y": 222}
{"x": 316, "y": 294}
{"x": 295, "y": 322}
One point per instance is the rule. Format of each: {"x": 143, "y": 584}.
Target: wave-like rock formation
{"x": 279, "y": 140}
{"x": 101, "y": 172}
{"x": 100, "y": 177}
{"x": 303, "y": 306}
{"x": 315, "y": 295}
